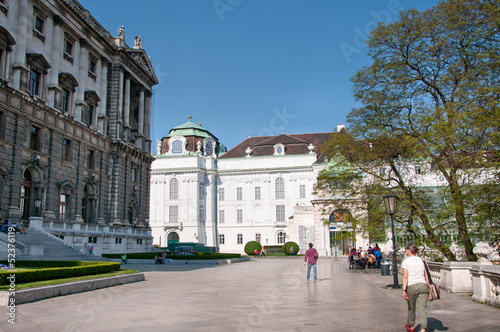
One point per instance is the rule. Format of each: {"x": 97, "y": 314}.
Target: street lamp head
{"x": 390, "y": 203}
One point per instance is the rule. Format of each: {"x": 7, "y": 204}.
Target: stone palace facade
{"x": 75, "y": 117}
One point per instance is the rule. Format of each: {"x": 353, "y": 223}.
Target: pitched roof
{"x": 294, "y": 145}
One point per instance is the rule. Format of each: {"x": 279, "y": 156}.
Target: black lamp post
{"x": 390, "y": 206}
{"x": 38, "y": 203}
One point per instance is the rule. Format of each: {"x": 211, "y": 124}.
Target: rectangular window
{"x": 69, "y": 43}
{"x": 381, "y": 171}
{"x": 35, "y": 138}
{"x": 258, "y": 237}
{"x": 418, "y": 170}
{"x": 88, "y": 115}
{"x": 39, "y": 24}
{"x": 90, "y": 159}
{"x": 221, "y": 194}
{"x": 302, "y": 190}
{"x": 92, "y": 70}
{"x": 2, "y": 121}
{"x": 239, "y": 216}
{"x": 63, "y": 207}
{"x": 134, "y": 174}
{"x": 222, "y": 216}
{"x": 66, "y": 150}
{"x": 173, "y": 213}
{"x": 239, "y": 193}
{"x": 222, "y": 239}
{"x": 93, "y": 239}
{"x": 68, "y": 48}
{"x": 280, "y": 188}
{"x": 257, "y": 192}
{"x": 239, "y": 238}
{"x": 280, "y": 213}
{"x": 139, "y": 241}
{"x": 35, "y": 82}
{"x": 118, "y": 240}
{"x": 174, "y": 189}
{"x": 65, "y": 101}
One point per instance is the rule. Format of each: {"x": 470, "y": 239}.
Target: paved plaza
{"x": 264, "y": 294}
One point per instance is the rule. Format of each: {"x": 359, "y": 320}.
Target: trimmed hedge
{"x": 196, "y": 256}
{"x": 55, "y": 270}
{"x": 288, "y": 245}
{"x": 251, "y": 246}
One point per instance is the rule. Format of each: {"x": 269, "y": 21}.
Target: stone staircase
{"x": 40, "y": 245}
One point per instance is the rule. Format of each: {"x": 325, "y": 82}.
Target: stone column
{"x": 147, "y": 123}
{"x": 126, "y": 110}
{"x": 119, "y": 124}
{"x": 103, "y": 88}
{"x": 139, "y": 140}
{"x": 56, "y": 55}
{"x": 20, "y": 67}
{"x": 82, "y": 78}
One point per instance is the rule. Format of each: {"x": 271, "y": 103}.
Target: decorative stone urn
{"x": 482, "y": 250}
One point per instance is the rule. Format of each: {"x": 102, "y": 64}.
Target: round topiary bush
{"x": 289, "y": 245}
{"x": 251, "y": 246}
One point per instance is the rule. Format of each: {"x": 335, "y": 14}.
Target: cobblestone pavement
{"x": 264, "y": 294}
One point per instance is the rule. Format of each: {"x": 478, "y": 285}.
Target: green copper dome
{"x": 189, "y": 129}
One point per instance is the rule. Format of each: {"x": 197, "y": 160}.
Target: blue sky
{"x": 240, "y": 66}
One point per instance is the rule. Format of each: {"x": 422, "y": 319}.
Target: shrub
{"x": 289, "y": 245}
{"x": 49, "y": 270}
{"x": 251, "y": 246}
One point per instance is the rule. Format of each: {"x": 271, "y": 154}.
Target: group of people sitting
{"x": 161, "y": 258}
{"x": 8, "y": 227}
{"x": 363, "y": 258}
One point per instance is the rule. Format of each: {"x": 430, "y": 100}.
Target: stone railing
{"x": 482, "y": 280}
{"x": 486, "y": 283}
{"x": 61, "y": 226}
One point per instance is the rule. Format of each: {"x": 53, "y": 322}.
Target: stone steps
{"x": 39, "y": 245}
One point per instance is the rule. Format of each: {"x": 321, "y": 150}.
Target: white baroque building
{"x": 261, "y": 190}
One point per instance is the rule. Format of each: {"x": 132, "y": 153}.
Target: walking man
{"x": 311, "y": 258}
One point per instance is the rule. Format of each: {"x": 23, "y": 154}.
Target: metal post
{"x": 394, "y": 261}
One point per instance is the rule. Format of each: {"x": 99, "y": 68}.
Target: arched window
{"x": 26, "y": 195}
{"x": 172, "y": 238}
{"x": 202, "y": 214}
{"x": 280, "y": 237}
{"x": 174, "y": 189}
{"x": 84, "y": 204}
{"x": 88, "y": 204}
{"x": 177, "y": 147}
{"x": 209, "y": 149}
{"x": 130, "y": 214}
{"x": 280, "y": 188}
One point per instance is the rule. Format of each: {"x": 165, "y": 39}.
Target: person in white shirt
{"x": 415, "y": 291}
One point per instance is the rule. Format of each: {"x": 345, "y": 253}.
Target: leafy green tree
{"x": 430, "y": 97}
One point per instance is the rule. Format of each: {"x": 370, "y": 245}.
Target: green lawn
{"x": 66, "y": 280}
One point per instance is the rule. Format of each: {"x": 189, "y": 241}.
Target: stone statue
{"x": 158, "y": 147}
{"x": 482, "y": 250}
{"x": 120, "y": 40}
{"x": 137, "y": 42}
{"x": 121, "y": 32}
